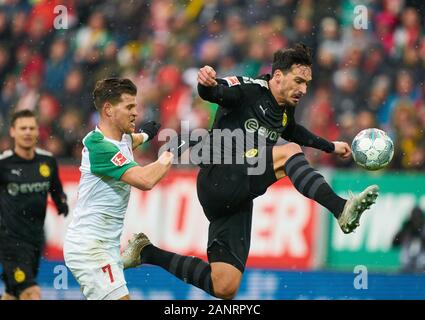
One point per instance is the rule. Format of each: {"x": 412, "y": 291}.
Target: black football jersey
{"x": 24, "y": 187}
{"x": 249, "y": 111}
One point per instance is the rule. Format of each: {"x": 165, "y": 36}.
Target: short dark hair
{"x": 110, "y": 90}
{"x": 285, "y": 59}
{"x": 24, "y": 113}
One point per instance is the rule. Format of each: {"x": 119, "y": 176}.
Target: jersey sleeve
{"x": 304, "y": 137}
{"x": 56, "y": 188}
{"x": 228, "y": 92}
{"x": 300, "y": 135}
{"x": 106, "y": 159}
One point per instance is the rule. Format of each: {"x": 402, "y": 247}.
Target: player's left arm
{"x": 300, "y": 135}
{"x": 147, "y": 132}
{"x": 56, "y": 190}
{"x": 226, "y": 92}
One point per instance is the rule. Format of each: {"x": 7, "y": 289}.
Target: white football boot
{"x": 131, "y": 255}
{"x": 355, "y": 206}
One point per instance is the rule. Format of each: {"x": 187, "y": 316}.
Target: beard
{"x": 290, "y": 103}
{"x": 129, "y": 130}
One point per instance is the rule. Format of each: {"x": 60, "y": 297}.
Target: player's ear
{"x": 12, "y": 132}
{"x": 278, "y": 75}
{"x": 107, "y": 107}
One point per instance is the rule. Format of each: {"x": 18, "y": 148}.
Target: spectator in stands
{"x": 176, "y": 97}
{"x": 409, "y": 149}
{"x": 8, "y": 96}
{"x": 70, "y": 132}
{"x": 346, "y": 98}
{"x": 58, "y": 66}
{"x": 319, "y": 118}
{"x": 405, "y": 93}
{"x": 378, "y": 94}
{"x": 411, "y": 239}
{"x": 74, "y": 95}
{"x": 91, "y": 39}
{"x": 407, "y": 34}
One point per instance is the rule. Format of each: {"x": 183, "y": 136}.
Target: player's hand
{"x": 166, "y": 158}
{"x": 206, "y": 76}
{"x": 151, "y": 128}
{"x": 63, "y": 208}
{"x": 342, "y": 149}
{"x": 178, "y": 145}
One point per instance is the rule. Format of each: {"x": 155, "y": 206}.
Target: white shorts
{"x": 99, "y": 271}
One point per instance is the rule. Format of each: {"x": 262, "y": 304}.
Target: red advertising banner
{"x": 283, "y": 231}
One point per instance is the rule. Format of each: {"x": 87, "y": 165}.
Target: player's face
{"x": 124, "y": 113}
{"x": 25, "y": 132}
{"x": 293, "y": 84}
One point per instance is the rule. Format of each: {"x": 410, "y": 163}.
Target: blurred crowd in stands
{"x": 362, "y": 78}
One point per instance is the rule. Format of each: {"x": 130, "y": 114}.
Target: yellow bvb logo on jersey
{"x": 251, "y": 153}
{"x": 284, "y": 120}
{"x": 44, "y": 170}
{"x": 19, "y": 275}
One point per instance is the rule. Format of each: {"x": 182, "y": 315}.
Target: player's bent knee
{"x": 226, "y": 291}
{"x": 226, "y": 280}
{"x": 291, "y": 149}
{"x": 31, "y": 293}
{"x": 281, "y": 154}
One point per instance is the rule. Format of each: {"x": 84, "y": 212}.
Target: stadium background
{"x": 361, "y": 78}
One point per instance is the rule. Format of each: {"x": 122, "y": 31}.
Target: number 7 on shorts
{"x": 108, "y": 269}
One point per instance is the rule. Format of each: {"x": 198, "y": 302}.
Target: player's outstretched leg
{"x": 289, "y": 160}
{"x": 188, "y": 269}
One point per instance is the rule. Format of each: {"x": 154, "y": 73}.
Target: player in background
{"x": 27, "y": 176}
{"x": 264, "y": 108}
{"x": 108, "y": 170}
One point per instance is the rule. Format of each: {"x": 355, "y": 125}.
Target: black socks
{"x": 311, "y": 184}
{"x": 189, "y": 269}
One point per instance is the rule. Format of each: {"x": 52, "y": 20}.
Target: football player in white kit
{"x": 108, "y": 170}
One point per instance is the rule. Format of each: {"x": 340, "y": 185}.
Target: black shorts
{"x": 20, "y": 262}
{"x": 226, "y": 193}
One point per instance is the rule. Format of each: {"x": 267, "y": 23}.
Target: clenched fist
{"x": 206, "y": 76}
{"x": 342, "y": 149}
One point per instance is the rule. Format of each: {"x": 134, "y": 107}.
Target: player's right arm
{"x": 106, "y": 159}
{"x": 226, "y": 93}
{"x": 145, "y": 178}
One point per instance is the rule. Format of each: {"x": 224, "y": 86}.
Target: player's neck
{"x": 274, "y": 91}
{"x": 27, "y": 154}
{"x": 110, "y": 131}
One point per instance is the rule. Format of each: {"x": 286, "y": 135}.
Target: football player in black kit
{"x": 259, "y": 107}
{"x": 27, "y": 175}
